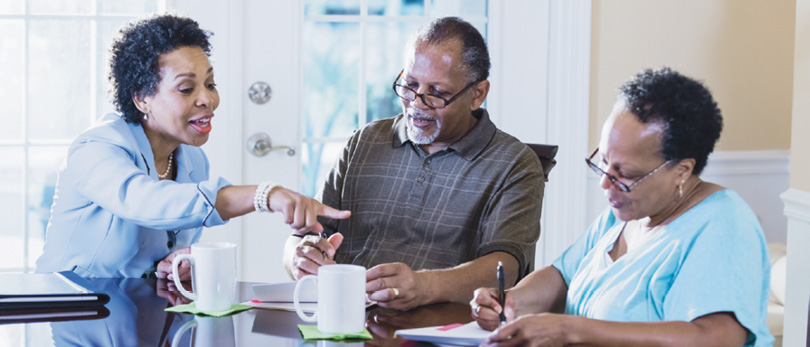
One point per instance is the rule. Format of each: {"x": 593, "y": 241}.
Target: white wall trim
{"x": 568, "y": 93}
{"x": 797, "y": 292}
{"x": 748, "y": 162}
{"x": 759, "y": 177}
{"x": 797, "y": 204}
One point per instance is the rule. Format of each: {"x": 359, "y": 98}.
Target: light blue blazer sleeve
{"x": 107, "y": 176}
{"x": 112, "y": 216}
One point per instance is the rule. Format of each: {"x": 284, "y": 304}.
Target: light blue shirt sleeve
{"x": 112, "y": 216}
{"x": 725, "y": 269}
{"x": 569, "y": 262}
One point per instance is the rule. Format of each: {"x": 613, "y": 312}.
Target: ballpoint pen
{"x": 323, "y": 236}
{"x": 501, "y": 292}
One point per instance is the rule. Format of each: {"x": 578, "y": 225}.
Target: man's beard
{"x": 416, "y": 135}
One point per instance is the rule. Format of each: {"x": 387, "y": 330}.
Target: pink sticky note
{"x": 451, "y": 326}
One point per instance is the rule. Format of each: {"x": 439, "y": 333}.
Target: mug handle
{"x": 182, "y": 330}
{"x": 314, "y": 317}
{"x": 175, "y": 264}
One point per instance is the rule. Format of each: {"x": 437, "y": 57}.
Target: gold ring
{"x": 396, "y": 292}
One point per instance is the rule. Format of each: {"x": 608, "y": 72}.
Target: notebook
{"x": 469, "y": 334}
{"x": 47, "y": 291}
{"x": 279, "y": 296}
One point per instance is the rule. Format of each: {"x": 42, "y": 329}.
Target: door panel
{"x": 271, "y": 56}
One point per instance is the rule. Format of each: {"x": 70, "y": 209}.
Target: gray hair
{"x": 475, "y": 56}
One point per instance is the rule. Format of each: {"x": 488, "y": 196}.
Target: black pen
{"x": 323, "y": 236}
{"x": 501, "y": 292}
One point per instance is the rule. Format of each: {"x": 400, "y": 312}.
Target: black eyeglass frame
{"x": 422, "y": 96}
{"x": 615, "y": 181}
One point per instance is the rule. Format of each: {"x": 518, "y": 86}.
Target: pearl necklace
{"x": 168, "y": 167}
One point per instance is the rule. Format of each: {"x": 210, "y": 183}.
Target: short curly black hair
{"x": 135, "y": 54}
{"x": 689, "y": 114}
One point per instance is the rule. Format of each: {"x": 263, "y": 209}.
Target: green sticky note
{"x": 311, "y": 332}
{"x": 192, "y": 308}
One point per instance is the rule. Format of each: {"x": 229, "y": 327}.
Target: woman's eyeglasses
{"x": 624, "y": 187}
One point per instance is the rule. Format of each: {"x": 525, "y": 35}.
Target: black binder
{"x": 33, "y": 315}
{"x": 47, "y": 291}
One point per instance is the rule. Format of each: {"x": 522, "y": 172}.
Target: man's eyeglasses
{"x": 430, "y": 100}
{"x": 625, "y": 188}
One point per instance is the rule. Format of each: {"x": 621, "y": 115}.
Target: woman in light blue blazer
{"x": 134, "y": 190}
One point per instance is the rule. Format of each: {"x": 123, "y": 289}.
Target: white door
{"x": 253, "y": 41}
{"x": 271, "y": 56}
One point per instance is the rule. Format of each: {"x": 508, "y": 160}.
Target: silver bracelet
{"x": 260, "y": 199}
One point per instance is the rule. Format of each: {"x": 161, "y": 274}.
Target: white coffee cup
{"x": 213, "y": 275}
{"x": 210, "y": 331}
{"x": 341, "y": 298}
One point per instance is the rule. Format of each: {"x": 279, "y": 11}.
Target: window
{"x": 352, "y": 51}
{"x": 53, "y": 64}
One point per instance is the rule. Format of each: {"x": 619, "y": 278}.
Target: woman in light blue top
{"x": 674, "y": 260}
{"x": 134, "y": 189}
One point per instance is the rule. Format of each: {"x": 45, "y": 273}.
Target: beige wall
{"x": 741, "y": 49}
{"x": 800, "y": 141}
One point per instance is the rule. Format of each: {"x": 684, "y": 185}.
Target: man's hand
{"x": 395, "y": 286}
{"x": 301, "y": 212}
{"x": 164, "y": 268}
{"x": 313, "y": 252}
{"x": 544, "y": 329}
{"x": 166, "y": 289}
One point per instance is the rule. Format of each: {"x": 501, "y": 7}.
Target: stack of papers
{"x": 469, "y": 334}
{"x": 279, "y": 296}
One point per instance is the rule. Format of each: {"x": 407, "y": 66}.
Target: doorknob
{"x": 259, "y": 144}
{"x": 260, "y": 93}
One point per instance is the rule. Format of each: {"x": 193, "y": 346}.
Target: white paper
{"x": 279, "y": 296}
{"x": 469, "y": 334}
{"x": 283, "y": 293}
{"x": 308, "y": 307}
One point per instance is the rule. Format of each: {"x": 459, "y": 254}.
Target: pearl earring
{"x": 680, "y": 188}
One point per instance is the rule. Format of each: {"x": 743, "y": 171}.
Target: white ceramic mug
{"x": 210, "y": 331}
{"x": 213, "y": 275}
{"x": 341, "y": 299}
